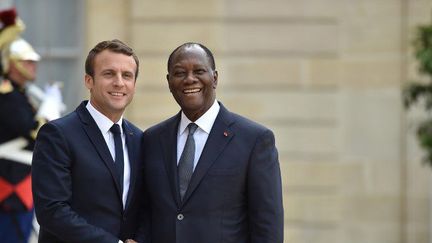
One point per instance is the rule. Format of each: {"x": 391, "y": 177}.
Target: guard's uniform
{"x": 18, "y": 128}
{"x": 17, "y": 120}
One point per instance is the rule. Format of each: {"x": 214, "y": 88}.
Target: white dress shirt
{"x": 104, "y": 124}
{"x": 205, "y": 124}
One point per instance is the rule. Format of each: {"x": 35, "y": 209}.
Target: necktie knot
{"x": 192, "y": 128}
{"x": 115, "y": 129}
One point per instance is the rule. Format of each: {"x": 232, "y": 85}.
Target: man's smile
{"x": 191, "y": 91}
{"x": 118, "y": 94}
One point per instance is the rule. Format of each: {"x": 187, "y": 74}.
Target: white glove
{"x": 52, "y": 105}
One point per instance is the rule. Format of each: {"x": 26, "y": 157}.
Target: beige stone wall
{"x": 326, "y": 76}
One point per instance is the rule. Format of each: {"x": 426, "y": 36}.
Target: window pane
{"x": 54, "y": 28}
{"x": 51, "y": 22}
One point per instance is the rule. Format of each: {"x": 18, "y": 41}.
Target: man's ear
{"x": 88, "y": 81}
{"x": 215, "y": 77}
{"x": 167, "y": 78}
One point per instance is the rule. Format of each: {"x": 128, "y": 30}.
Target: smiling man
{"x": 86, "y": 170}
{"x": 212, "y": 175}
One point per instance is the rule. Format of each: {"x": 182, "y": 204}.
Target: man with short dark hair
{"x": 212, "y": 175}
{"x": 86, "y": 166}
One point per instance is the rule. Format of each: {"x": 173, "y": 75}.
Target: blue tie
{"x": 119, "y": 161}
{"x": 186, "y": 162}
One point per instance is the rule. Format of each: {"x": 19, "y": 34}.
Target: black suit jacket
{"x": 75, "y": 188}
{"x": 235, "y": 193}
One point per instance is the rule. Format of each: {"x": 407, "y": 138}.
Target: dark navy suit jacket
{"x": 235, "y": 193}
{"x": 75, "y": 188}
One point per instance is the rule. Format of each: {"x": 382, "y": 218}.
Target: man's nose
{"x": 190, "y": 78}
{"x": 118, "y": 80}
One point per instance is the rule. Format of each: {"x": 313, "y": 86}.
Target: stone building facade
{"x": 325, "y": 75}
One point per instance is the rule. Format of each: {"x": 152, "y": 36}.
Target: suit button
{"x": 180, "y": 216}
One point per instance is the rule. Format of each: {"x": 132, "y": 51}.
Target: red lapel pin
{"x": 226, "y": 134}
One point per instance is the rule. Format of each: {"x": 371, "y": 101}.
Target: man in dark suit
{"x": 86, "y": 170}
{"x": 217, "y": 180}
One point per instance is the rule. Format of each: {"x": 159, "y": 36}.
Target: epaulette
{"x": 34, "y": 132}
{"x": 5, "y": 87}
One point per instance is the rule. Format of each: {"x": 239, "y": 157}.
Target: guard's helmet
{"x": 18, "y": 50}
{"x": 13, "y": 48}
{"x": 21, "y": 50}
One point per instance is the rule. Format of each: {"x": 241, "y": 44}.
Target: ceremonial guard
{"x": 18, "y": 128}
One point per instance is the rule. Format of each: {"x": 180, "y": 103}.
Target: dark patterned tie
{"x": 186, "y": 162}
{"x": 119, "y": 161}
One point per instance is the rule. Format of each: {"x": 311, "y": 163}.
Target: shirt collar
{"x": 103, "y": 122}
{"x": 205, "y": 122}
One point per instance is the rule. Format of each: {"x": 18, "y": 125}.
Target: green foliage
{"x": 417, "y": 91}
{"x": 423, "y": 49}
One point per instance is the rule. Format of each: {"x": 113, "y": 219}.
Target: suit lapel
{"x": 95, "y": 136}
{"x": 219, "y": 137}
{"x": 168, "y": 143}
{"x": 133, "y": 159}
